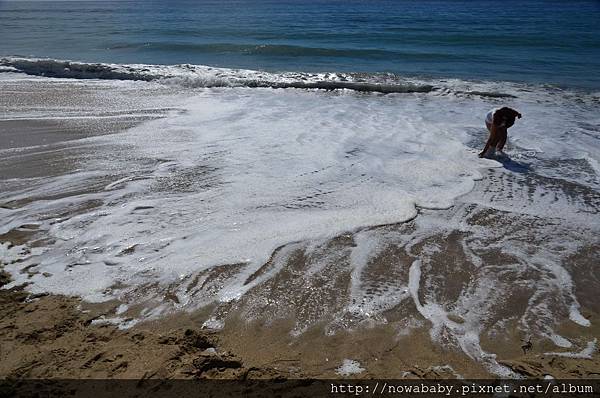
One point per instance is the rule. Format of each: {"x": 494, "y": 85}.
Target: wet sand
{"x": 55, "y": 336}
{"x": 51, "y": 337}
{"x": 307, "y": 319}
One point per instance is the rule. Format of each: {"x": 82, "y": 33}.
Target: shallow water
{"x": 229, "y": 175}
{"x": 185, "y": 187}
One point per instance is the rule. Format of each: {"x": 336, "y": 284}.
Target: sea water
{"x": 542, "y": 41}
{"x": 232, "y": 173}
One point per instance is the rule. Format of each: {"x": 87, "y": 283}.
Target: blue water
{"x": 536, "y": 41}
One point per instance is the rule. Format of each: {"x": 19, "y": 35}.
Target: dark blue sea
{"x": 533, "y": 41}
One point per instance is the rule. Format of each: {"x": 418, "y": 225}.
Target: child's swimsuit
{"x": 489, "y": 118}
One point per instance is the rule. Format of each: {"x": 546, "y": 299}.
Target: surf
{"x": 203, "y": 76}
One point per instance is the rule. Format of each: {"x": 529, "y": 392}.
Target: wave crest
{"x": 205, "y": 76}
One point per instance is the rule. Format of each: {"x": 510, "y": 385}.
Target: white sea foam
{"x": 585, "y": 353}
{"x": 349, "y": 367}
{"x": 122, "y": 323}
{"x": 235, "y": 173}
{"x": 391, "y": 293}
{"x": 447, "y": 369}
{"x": 213, "y": 323}
{"x": 560, "y": 341}
{"x": 258, "y": 169}
{"x": 467, "y": 334}
{"x": 576, "y": 316}
{"x": 188, "y": 75}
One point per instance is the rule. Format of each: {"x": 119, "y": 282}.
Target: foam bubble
{"x": 576, "y": 316}
{"x": 585, "y": 353}
{"x": 560, "y": 341}
{"x": 349, "y": 367}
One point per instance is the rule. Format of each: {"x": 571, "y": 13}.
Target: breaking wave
{"x": 188, "y": 75}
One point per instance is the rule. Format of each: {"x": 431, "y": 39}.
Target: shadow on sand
{"x": 512, "y": 165}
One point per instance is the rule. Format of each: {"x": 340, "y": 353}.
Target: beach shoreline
{"x": 49, "y": 336}
{"x": 401, "y": 300}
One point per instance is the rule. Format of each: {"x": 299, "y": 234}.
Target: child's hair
{"x": 507, "y": 115}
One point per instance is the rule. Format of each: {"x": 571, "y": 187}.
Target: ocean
{"x": 314, "y": 160}
{"x": 535, "y": 41}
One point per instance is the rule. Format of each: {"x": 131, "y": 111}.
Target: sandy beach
{"x": 272, "y": 198}
{"x": 450, "y": 293}
{"x": 49, "y": 336}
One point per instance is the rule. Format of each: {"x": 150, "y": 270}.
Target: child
{"x": 498, "y": 121}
